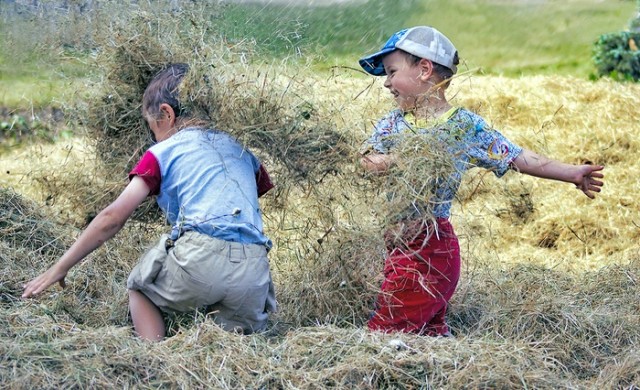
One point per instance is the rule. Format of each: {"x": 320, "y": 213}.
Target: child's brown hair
{"x": 163, "y": 88}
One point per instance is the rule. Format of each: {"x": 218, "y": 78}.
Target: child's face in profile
{"x": 151, "y": 125}
{"x": 161, "y": 125}
{"x": 403, "y": 80}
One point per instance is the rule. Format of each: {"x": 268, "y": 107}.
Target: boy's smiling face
{"x": 405, "y": 80}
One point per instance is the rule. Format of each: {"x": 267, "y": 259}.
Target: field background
{"x": 549, "y": 294}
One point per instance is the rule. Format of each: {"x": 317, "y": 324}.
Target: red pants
{"x": 420, "y": 278}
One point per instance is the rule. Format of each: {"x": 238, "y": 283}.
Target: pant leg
{"x": 250, "y": 295}
{"x": 420, "y": 279}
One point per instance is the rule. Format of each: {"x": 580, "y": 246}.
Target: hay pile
{"x": 24, "y": 226}
{"x": 551, "y": 332}
{"x": 523, "y": 219}
{"x": 549, "y": 294}
{"x": 26, "y": 234}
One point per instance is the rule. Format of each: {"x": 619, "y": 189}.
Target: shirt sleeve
{"x": 490, "y": 149}
{"x": 148, "y": 170}
{"x": 263, "y": 180}
{"x": 386, "y": 131}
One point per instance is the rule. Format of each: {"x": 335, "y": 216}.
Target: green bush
{"x": 617, "y": 55}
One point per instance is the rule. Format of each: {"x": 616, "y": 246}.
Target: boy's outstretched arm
{"x": 104, "y": 226}
{"x": 586, "y": 177}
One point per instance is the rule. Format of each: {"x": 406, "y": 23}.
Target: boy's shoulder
{"x": 464, "y": 114}
{"x": 201, "y": 140}
{"x": 465, "y": 119}
{"x": 391, "y": 122}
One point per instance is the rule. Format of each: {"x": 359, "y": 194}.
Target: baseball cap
{"x": 422, "y": 41}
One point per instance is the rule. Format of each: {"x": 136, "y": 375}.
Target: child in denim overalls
{"x": 215, "y": 256}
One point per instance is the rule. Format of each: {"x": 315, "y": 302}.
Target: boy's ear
{"x": 426, "y": 67}
{"x": 167, "y": 113}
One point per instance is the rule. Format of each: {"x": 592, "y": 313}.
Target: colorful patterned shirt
{"x": 468, "y": 137}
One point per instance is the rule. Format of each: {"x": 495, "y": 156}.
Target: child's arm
{"x": 104, "y": 226}
{"x": 584, "y": 176}
{"x": 377, "y": 162}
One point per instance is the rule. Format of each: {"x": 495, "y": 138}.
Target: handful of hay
{"x": 270, "y": 111}
{"x": 423, "y": 166}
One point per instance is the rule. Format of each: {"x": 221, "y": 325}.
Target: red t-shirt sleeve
{"x": 263, "y": 180}
{"x": 148, "y": 170}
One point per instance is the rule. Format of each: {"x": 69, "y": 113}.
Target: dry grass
{"x": 549, "y": 294}
{"x": 574, "y": 121}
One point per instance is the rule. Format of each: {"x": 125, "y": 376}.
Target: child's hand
{"x": 377, "y": 162}
{"x": 42, "y": 282}
{"x": 588, "y": 179}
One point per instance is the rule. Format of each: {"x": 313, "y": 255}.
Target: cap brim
{"x": 373, "y": 64}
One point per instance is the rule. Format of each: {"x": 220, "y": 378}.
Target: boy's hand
{"x": 377, "y": 162}
{"x": 588, "y": 179}
{"x": 42, "y": 282}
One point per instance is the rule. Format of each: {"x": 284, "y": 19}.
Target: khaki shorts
{"x": 229, "y": 279}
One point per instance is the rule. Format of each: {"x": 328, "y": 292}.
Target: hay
{"x": 331, "y": 280}
{"x": 569, "y": 338}
{"x": 577, "y": 323}
{"x": 225, "y": 89}
{"x": 268, "y": 107}
{"x": 423, "y": 163}
{"x": 271, "y": 108}
{"x": 24, "y": 226}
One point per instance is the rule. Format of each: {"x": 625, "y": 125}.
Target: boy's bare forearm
{"x": 537, "y": 165}
{"x": 102, "y": 228}
{"x": 98, "y": 231}
{"x": 586, "y": 177}
{"x": 108, "y": 222}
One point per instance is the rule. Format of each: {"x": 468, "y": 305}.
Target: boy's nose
{"x": 387, "y": 82}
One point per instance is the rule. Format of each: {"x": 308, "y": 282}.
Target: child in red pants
{"x": 420, "y": 278}
{"x": 422, "y": 269}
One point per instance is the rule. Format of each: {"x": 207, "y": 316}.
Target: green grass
{"x": 328, "y": 31}
{"x": 33, "y": 90}
{"x": 32, "y": 74}
{"x": 512, "y": 38}
{"x": 501, "y": 37}
{"x": 528, "y": 37}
